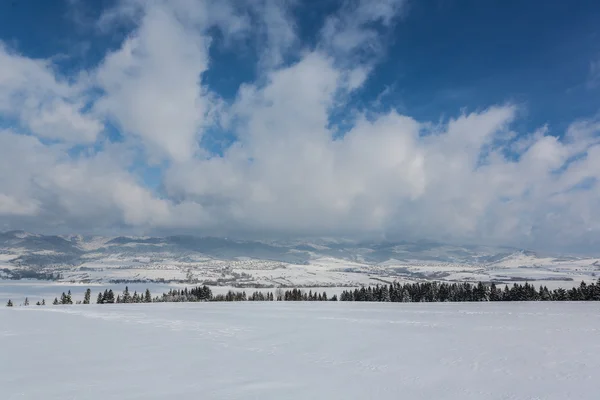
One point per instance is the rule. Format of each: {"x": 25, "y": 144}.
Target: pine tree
{"x": 147, "y": 297}
{"x": 596, "y": 291}
{"x": 100, "y": 298}
{"x": 10, "y": 303}
{"x": 86, "y": 297}
{"x": 55, "y": 302}
{"x": 385, "y": 294}
{"x": 43, "y": 302}
{"x": 110, "y": 297}
{"x": 69, "y": 299}
{"x": 26, "y": 302}
{"x": 126, "y": 296}
{"x": 495, "y": 294}
{"x": 38, "y": 304}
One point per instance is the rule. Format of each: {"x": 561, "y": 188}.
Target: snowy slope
{"x": 220, "y": 261}
{"x": 301, "y": 351}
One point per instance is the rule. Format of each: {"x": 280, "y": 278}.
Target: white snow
{"x": 278, "y": 350}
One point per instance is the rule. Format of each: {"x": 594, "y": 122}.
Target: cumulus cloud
{"x": 289, "y": 171}
{"x": 46, "y": 104}
{"x": 48, "y": 186}
{"x": 151, "y": 85}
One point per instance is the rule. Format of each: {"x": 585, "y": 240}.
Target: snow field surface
{"x": 284, "y": 350}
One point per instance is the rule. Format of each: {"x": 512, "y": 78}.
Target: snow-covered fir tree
{"x": 87, "y": 296}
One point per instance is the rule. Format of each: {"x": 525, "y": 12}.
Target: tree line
{"x": 394, "y": 292}
{"x": 467, "y": 292}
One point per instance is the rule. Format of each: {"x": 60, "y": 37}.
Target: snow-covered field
{"x": 301, "y": 351}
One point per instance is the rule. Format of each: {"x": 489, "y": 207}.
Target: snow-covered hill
{"x": 324, "y": 262}
{"x": 284, "y": 350}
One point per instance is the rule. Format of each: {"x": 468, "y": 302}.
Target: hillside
{"x": 221, "y": 261}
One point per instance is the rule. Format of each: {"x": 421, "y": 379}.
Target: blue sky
{"x": 462, "y": 121}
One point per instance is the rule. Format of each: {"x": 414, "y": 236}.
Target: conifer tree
{"x": 86, "y": 297}
{"x": 385, "y": 294}
{"x": 43, "y": 302}
{"x": 596, "y": 291}
{"x": 126, "y": 296}
{"x": 147, "y": 297}
{"x": 494, "y": 292}
{"x": 26, "y": 302}
{"x": 110, "y": 297}
{"x": 10, "y": 303}
{"x": 100, "y": 298}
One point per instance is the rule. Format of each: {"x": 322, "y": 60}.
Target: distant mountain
{"x": 244, "y": 263}
{"x": 38, "y": 250}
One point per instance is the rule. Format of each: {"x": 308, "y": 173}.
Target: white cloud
{"x": 152, "y": 87}
{"x": 467, "y": 179}
{"x": 43, "y": 181}
{"x": 58, "y": 119}
{"x": 354, "y": 27}
{"x": 42, "y": 102}
{"x": 12, "y": 206}
{"x": 276, "y": 29}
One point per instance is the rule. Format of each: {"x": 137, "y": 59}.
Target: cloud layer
{"x": 74, "y": 149}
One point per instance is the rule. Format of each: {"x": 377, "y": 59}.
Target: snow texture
{"x": 301, "y": 351}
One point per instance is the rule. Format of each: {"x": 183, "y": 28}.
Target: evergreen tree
{"x": 43, "y": 302}
{"x": 126, "y": 296}
{"x": 110, "y": 297}
{"x": 406, "y": 298}
{"x": 10, "y": 303}
{"x": 38, "y": 304}
{"x": 596, "y": 291}
{"x": 495, "y": 294}
{"x": 147, "y": 297}
{"x": 55, "y": 302}
{"x": 385, "y": 294}
{"x": 26, "y": 302}
{"x": 86, "y": 297}
{"x": 100, "y": 298}
{"x": 545, "y": 294}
